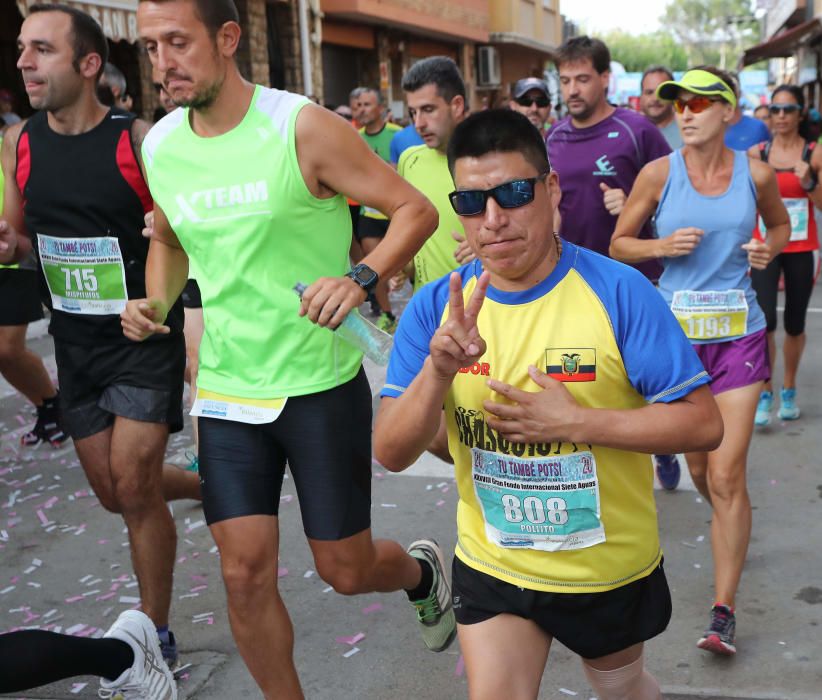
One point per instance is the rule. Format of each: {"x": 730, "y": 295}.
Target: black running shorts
{"x": 368, "y": 227}
{"x": 19, "y": 297}
{"x": 589, "y": 624}
{"x": 141, "y": 381}
{"x": 326, "y": 440}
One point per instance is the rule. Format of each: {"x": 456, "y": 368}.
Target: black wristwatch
{"x": 814, "y": 183}
{"x": 364, "y": 276}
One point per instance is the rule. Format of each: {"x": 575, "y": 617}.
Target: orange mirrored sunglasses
{"x": 695, "y": 104}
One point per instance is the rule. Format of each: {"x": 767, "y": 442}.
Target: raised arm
{"x": 334, "y": 158}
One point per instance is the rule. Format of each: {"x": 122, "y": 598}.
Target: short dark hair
{"x": 580, "y": 48}
{"x": 655, "y": 69}
{"x": 87, "y": 35}
{"x": 373, "y": 91}
{"x": 498, "y": 131}
{"x": 213, "y": 13}
{"x": 440, "y": 71}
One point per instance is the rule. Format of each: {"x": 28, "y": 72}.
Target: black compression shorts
{"x": 191, "y": 295}
{"x": 326, "y": 440}
{"x": 797, "y": 269}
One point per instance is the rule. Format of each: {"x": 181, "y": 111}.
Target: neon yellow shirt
{"x": 561, "y": 517}
{"x": 427, "y": 169}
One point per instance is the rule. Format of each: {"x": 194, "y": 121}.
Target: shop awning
{"x": 521, "y": 40}
{"x": 117, "y": 17}
{"x": 784, "y": 44}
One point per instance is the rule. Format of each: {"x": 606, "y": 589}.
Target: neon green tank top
{"x": 251, "y": 228}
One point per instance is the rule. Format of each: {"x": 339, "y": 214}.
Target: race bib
{"x": 711, "y": 315}
{"x": 372, "y": 213}
{"x": 798, "y": 211}
{"x": 210, "y": 404}
{"x": 84, "y": 275}
{"x": 549, "y": 504}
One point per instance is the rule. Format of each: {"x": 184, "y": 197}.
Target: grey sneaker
{"x": 719, "y": 637}
{"x": 435, "y": 614}
{"x": 149, "y": 677}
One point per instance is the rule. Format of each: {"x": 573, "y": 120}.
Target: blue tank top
{"x": 710, "y": 290}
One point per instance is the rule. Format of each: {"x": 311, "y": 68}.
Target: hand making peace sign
{"x": 458, "y": 343}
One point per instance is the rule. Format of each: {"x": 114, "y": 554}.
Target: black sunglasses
{"x": 786, "y": 109}
{"x": 541, "y": 102}
{"x": 509, "y": 195}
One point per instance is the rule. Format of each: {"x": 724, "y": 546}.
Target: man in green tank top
{"x": 275, "y": 384}
{"x": 435, "y": 93}
{"x": 372, "y": 223}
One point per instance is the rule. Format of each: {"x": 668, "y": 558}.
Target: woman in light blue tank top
{"x": 705, "y": 198}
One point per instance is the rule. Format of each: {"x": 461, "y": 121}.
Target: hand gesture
{"x": 681, "y": 242}
{"x": 803, "y": 171}
{"x": 457, "y": 343}
{"x": 8, "y": 242}
{"x": 550, "y": 415}
{"x": 144, "y": 317}
{"x": 463, "y": 254}
{"x": 613, "y": 199}
{"x": 759, "y": 254}
{"x": 329, "y": 300}
{"x": 148, "y": 231}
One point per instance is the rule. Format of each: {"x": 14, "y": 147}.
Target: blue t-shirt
{"x": 402, "y": 141}
{"x": 745, "y": 133}
{"x": 710, "y": 289}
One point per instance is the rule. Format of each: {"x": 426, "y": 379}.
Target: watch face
{"x": 365, "y": 275}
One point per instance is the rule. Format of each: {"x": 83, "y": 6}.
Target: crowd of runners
{"x": 530, "y": 356}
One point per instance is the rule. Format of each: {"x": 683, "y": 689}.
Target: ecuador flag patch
{"x": 571, "y": 364}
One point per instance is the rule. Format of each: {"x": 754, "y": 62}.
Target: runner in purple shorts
{"x": 705, "y": 197}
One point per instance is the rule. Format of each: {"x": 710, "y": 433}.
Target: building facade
{"x": 792, "y": 42}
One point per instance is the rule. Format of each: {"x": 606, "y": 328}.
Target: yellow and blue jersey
{"x": 561, "y": 517}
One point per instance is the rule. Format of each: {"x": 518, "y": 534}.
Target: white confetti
{"x": 565, "y": 691}
{"x": 351, "y": 652}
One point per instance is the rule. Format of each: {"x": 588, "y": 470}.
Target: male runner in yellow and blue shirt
{"x": 544, "y": 358}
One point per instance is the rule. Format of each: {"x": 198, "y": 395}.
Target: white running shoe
{"x": 149, "y": 677}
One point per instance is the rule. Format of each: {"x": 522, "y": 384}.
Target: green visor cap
{"x": 699, "y": 82}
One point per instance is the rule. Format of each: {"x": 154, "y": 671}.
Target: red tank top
{"x": 804, "y": 236}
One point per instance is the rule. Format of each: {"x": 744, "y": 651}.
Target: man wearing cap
{"x": 532, "y": 98}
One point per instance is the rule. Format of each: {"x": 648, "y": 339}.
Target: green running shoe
{"x": 435, "y": 614}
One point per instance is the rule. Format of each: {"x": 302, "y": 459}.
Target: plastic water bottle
{"x": 361, "y": 333}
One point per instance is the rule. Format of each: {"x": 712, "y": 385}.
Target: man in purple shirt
{"x": 598, "y": 149}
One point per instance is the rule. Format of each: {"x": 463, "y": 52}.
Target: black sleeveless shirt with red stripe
{"x": 87, "y": 186}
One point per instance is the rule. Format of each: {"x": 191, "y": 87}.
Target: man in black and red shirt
{"x": 75, "y": 194}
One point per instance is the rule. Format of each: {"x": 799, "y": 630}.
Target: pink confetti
{"x": 460, "y": 667}
{"x": 102, "y": 541}
{"x": 197, "y": 589}
{"x": 106, "y": 596}
{"x": 375, "y": 607}
{"x": 440, "y": 503}
{"x": 43, "y": 518}
{"x": 282, "y": 571}
{"x": 74, "y": 599}
{"x": 20, "y": 419}
{"x": 351, "y": 641}
{"x": 774, "y": 482}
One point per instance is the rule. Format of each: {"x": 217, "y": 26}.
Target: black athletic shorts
{"x": 326, "y": 440}
{"x": 369, "y": 227}
{"x": 589, "y": 624}
{"x": 191, "y": 295}
{"x": 19, "y": 297}
{"x": 141, "y": 381}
